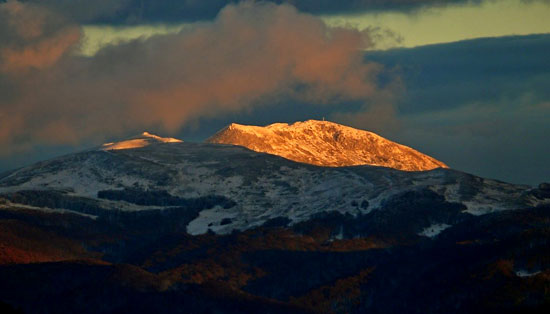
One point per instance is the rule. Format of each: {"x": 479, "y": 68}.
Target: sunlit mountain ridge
{"x": 325, "y": 143}
{"x": 142, "y": 140}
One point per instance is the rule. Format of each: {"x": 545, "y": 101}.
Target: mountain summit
{"x": 142, "y": 140}
{"x": 325, "y": 143}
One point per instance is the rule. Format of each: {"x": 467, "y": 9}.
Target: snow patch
{"x": 16, "y": 206}
{"x": 433, "y": 230}
{"x": 209, "y": 219}
{"x": 526, "y": 273}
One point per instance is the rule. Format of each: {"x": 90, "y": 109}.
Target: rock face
{"x": 324, "y": 143}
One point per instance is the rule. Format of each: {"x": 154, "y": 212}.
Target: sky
{"x": 463, "y": 81}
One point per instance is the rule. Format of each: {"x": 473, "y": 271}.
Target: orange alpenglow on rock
{"x": 325, "y": 143}
{"x": 145, "y": 139}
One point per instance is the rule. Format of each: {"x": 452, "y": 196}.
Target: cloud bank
{"x": 250, "y": 55}
{"x": 151, "y": 11}
{"x": 480, "y": 105}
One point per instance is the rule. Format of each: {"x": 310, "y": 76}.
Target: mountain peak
{"x": 142, "y": 140}
{"x": 160, "y": 139}
{"x": 147, "y": 134}
{"x": 325, "y": 143}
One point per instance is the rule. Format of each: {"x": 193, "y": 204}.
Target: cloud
{"x": 449, "y": 23}
{"x": 353, "y": 6}
{"x": 87, "y": 11}
{"x": 487, "y": 70}
{"x": 252, "y": 54}
{"x": 31, "y": 37}
{"x": 504, "y": 140}
{"x": 154, "y": 11}
{"x": 479, "y": 105}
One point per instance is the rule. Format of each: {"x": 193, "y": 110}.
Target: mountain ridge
{"x": 325, "y": 143}
{"x": 142, "y": 140}
{"x": 263, "y": 186}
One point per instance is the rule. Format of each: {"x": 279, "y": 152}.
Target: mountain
{"x": 182, "y": 227}
{"x": 261, "y": 186}
{"x": 325, "y": 143}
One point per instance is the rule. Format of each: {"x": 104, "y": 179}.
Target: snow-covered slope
{"x": 262, "y": 186}
{"x": 326, "y": 143}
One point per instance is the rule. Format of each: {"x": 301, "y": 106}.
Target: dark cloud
{"x": 480, "y": 105}
{"x": 481, "y": 70}
{"x": 251, "y": 55}
{"x": 31, "y": 37}
{"x": 355, "y": 6}
{"x": 87, "y": 11}
{"x": 147, "y": 11}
